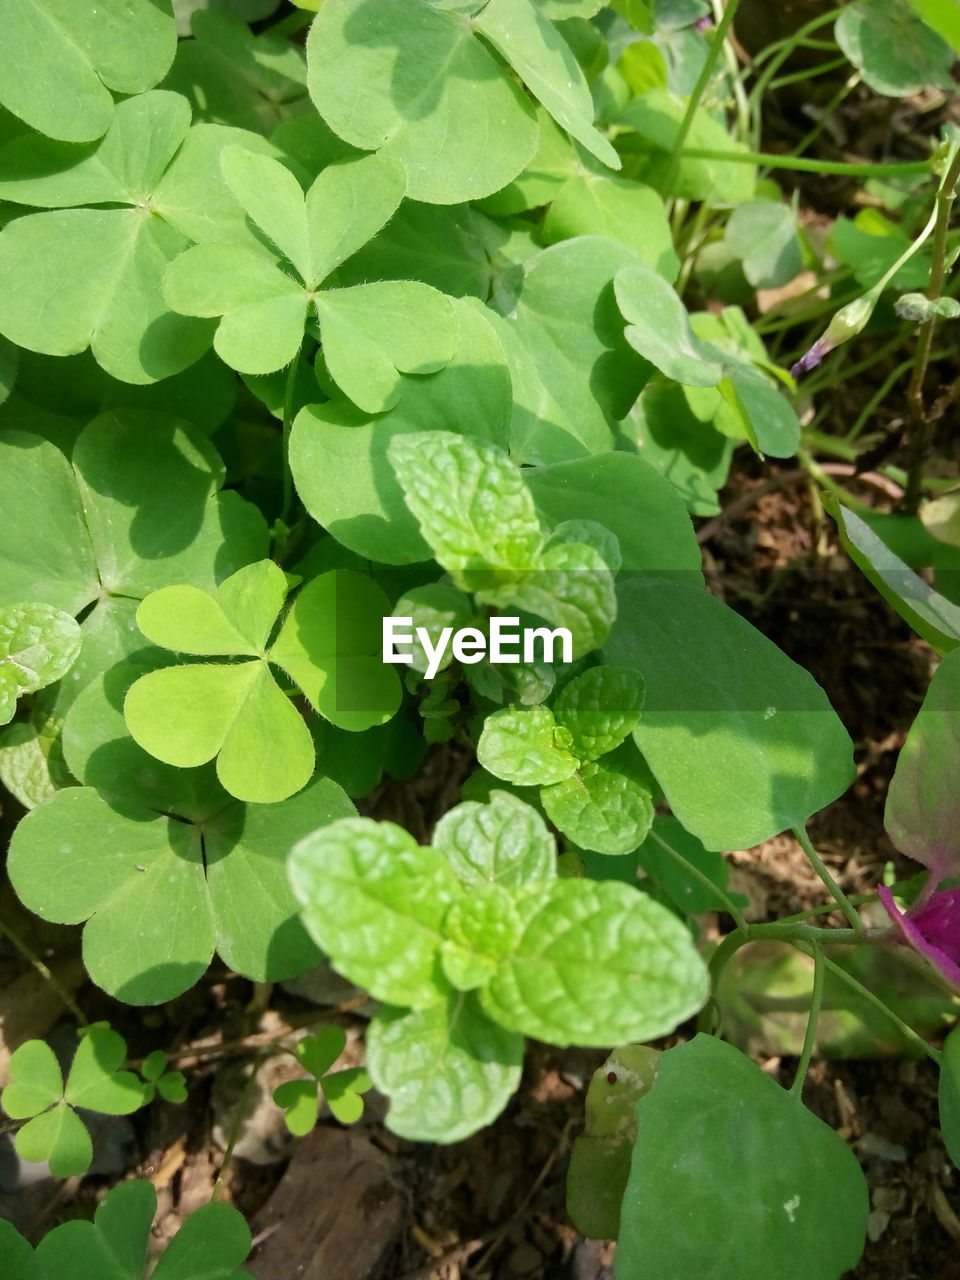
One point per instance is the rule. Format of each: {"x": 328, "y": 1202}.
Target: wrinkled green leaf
{"x": 526, "y": 746}
{"x": 38, "y": 645}
{"x": 600, "y": 808}
{"x": 501, "y": 842}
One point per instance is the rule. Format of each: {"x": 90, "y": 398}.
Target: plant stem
{"x": 846, "y": 906}
{"x": 904, "y": 1028}
{"x": 55, "y": 984}
{"x": 706, "y": 74}
{"x": 813, "y": 1019}
{"x": 772, "y": 161}
{"x": 923, "y": 425}
{"x": 219, "y": 1187}
{"x": 288, "y": 396}
{"x": 695, "y": 873}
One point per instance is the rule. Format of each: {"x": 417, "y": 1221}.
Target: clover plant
{"x": 315, "y": 316}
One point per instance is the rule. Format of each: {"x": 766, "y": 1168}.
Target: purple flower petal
{"x": 810, "y": 359}
{"x": 703, "y": 24}
{"x": 933, "y": 930}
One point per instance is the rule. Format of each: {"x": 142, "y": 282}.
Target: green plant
{"x": 443, "y": 313}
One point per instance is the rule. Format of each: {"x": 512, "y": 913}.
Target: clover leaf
{"x": 170, "y": 1085}
{"x": 209, "y": 1245}
{"x": 892, "y": 47}
{"x": 235, "y": 710}
{"x": 136, "y": 508}
{"x": 37, "y": 1093}
{"x": 168, "y": 849}
{"x": 59, "y": 62}
{"x": 343, "y": 1090}
{"x": 38, "y": 645}
{"x": 91, "y": 276}
{"x": 370, "y": 333}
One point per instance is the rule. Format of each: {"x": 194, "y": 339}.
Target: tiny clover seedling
{"x": 343, "y": 1090}
{"x": 170, "y": 1085}
{"x": 38, "y": 646}
{"x": 37, "y": 1093}
{"x": 210, "y": 1245}
{"x": 370, "y": 333}
{"x": 602, "y": 803}
{"x": 475, "y": 942}
{"x": 235, "y": 710}
{"x": 478, "y": 516}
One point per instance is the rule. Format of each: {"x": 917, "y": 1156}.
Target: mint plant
{"x": 323, "y": 323}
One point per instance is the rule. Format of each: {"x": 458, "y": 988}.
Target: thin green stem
{"x": 786, "y": 47}
{"x": 696, "y": 874}
{"x": 706, "y": 75}
{"x": 813, "y": 1020}
{"x": 825, "y": 908}
{"x": 288, "y": 399}
{"x": 219, "y": 1187}
{"x": 922, "y": 422}
{"x": 904, "y": 1028}
{"x": 846, "y": 906}
{"x": 52, "y": 981}
{"x": 772, "y": 161}
{"x": 795, "y": 77}
{"x": 828, "y": 113}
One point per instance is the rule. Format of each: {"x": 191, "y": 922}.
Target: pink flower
{"x": 931, "y": 926}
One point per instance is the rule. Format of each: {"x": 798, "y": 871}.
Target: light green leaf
{"x": 892, "y": 48}
{"x": 763, "y": 235}
{"x": 801, "y": 1193}
{"x": 60, "y": 61}
{"x": 346, "y": 206}
{"x": 210, "y": 1245}
{"x": 417, "y": 84}
{"x": 300, "y": 1102}
{"x": 659, "y": 328}
{"x": 35, "y": 1081}
{"x": 193, "y": 621}
{"x": 656, "y": 117}
{"x": 374, "y": 332}
{"x": 573, "y": 588}
{"x": 58, "y": 1136}
{"x": 471, "y": 503}
{"x": 480, "y": 929}
{"x": 600, "y": 808}
{"x": 630, "y": 499}
{"x": 524, "y": 745}
{"x": 30, "y": 766}
{"x": 91, "y": 277}
{"x": 598, "y": 961}
{"x": 600, "y": 708}
{"x": 596, "y": 204}
{"x": 374, "y": 900}
{"x": 38, "y": 645}
{"x": 151, "y": 933}
{"x": 567, "y": 320}
{"x": 942, "y": 15}
{"x": 742, "y": 740}
{"x": 320, "y": 1051}
{"x": 339, "y": 457}
{"x": 330, "y": 644}
{"x": 447, "y": 1070}
{"x": 95, "y": 1080}
{"x": 343, "y": 1090}
{"x": 263, "y": 309}
{"x": 544, "y": 61}
{"x": 233, "y": 77}
{"x": 504, "y": 841}
{"x": 930, "y": 614}
{"x": 124, "y": 167}
{"x": 764, "y": 414}
{"x": 921, "y": 814}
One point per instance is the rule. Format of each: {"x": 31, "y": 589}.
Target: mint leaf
{"x": 374, "y": 900}
{"x": 471, "y": 504}
{"x": 526, "y": 746}
{"x": 597, "y": 961}
{"x": 447, "y": 1069}
{"x": 600, "y": 708}
{"x": 600, "y": 808}
{"x": 503, "y": 841}
{"x": 38, "y": 645}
